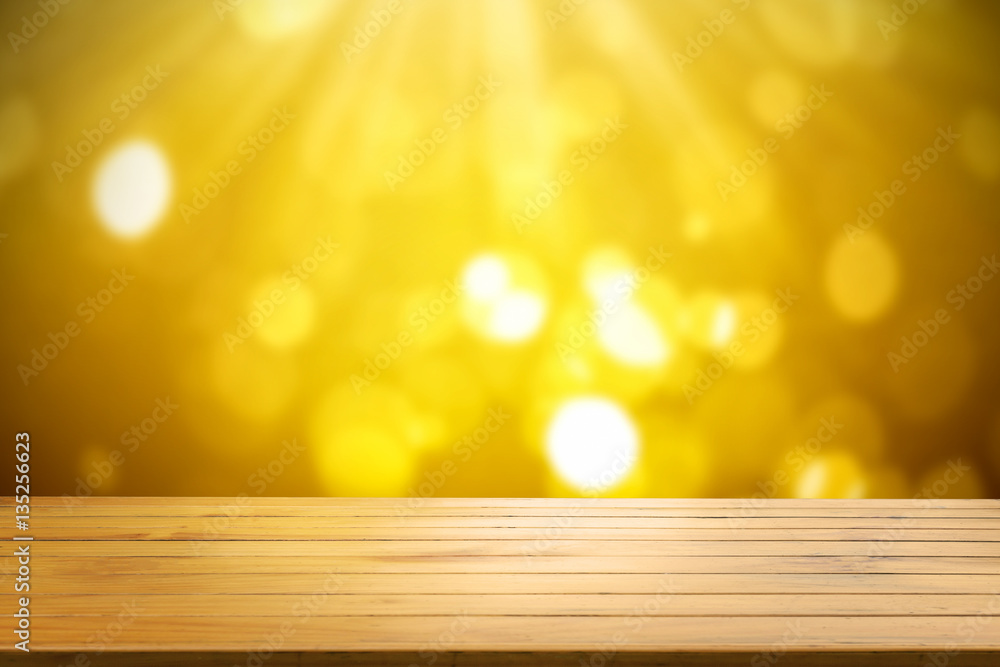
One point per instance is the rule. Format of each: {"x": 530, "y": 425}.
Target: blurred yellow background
{"x": 502, "y": 247}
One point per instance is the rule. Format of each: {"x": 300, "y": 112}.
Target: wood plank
{"x": 652, "y": 604}
{"x": 523, "y": 548}
{"x": 604, "y": 657}
{"x": 524, "y": 583}
{"x": 43, "y": 565}
{"x": 358, "y": 581}
{"x": 902, "y": 533}
{"x": 610, "y": 523}
{"x": 577, "y": 633}
{"x": 79, "y": 508}
{"x": 914, "y": 503}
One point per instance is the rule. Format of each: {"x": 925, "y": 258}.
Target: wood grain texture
{"x": 107, "y": 565}
{"x": 516, "y": 581}
{"x": 855, "y": 658}
{"x": 697, "y": 503}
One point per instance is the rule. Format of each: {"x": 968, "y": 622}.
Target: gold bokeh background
{"x": 477, "y": 277}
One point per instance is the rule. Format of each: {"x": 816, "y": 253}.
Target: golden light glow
{"x": 275, "y": 19}
{"x": 132, "y": 189}
{"x": 291, "y": 318}
{"x": 710, "y": 320}
{"x": 605, "y": 272}
{"x": 365, "y": 460}
{"x": 369, "y": 444}
{"x": 505, "y": 300}
{"x": 707, "y": 248}
{"x": 697, "y": 228}
{"x": 862, "y": 276}
{"x": 836, "y": 474}
{"x": 592, "y": 443}
{"x": 632, "y": 336}
{"x": 487, "y": 278}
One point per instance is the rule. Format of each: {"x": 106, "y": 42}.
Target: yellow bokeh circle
{"x": 862, "y": 276}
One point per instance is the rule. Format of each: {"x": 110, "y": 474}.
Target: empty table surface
{"x": 449, "y": 581}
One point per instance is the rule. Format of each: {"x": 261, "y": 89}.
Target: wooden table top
{"x": 451, "y": 581}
